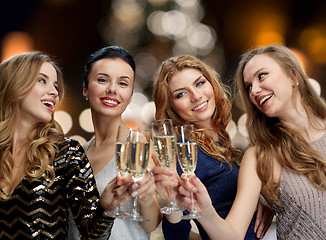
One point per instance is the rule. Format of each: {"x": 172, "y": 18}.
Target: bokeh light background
{"x": 217, "y": 32}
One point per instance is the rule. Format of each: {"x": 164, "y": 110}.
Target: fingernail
{"x": 134, "y": 194}
{"x": 134, "y": 186}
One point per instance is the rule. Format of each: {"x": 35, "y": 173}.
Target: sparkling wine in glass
{"x": 165, "y": 148}
{"x": 123, "y": 153}
{"x": 187, "y": 157}
{"x": 140, "y": 150}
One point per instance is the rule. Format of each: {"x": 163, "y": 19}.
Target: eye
{"x": 123, "y": 84}
{"x": 261, "y": 75}
{"x": 42, "y": 80}
{"x": 198, "y": 84}
{"x": 180, "y": 95}
{"x": 101, "y": 80}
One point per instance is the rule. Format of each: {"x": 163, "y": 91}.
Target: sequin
{"x": 302, "y": 213}
{"x": 36, "y": 211}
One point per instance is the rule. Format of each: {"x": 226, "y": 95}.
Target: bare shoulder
{"x": 249, "y": 157}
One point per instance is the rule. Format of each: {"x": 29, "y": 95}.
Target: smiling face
{"x": 41, "y": 100}
{"x": 269, "y": 87}
{"x": 192, "y": 97}
{"x": 110, "y": 86}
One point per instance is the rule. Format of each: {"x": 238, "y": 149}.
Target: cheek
{"x": 179, "y": 107}
{"x": 251, "y": 98}
{"x": 127, "y": 95}
{"x": 94, "y": 89}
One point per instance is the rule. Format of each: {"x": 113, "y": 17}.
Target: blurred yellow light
{"x": 129, "y": 13}
{"x": 16, "y": 42}
{"x": 301, "y": 57}
{"x": 132, "y": 123}
{"x": 242, "y": 127}
{"x": 85, "y": 120}
{"x": 314, "y": 41}
{"x": 269, "y": 37}
{"x": 317, "y": 48}
{"x": 154, "y": 22}
{"x": 148, "y": 113}
{"x": 64, "y": 119}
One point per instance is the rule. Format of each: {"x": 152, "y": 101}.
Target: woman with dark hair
{"x": 108, "y": 86}
{"x": 42, "y": 173}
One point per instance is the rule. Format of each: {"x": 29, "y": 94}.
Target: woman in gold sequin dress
{"x": 42, "y": 173}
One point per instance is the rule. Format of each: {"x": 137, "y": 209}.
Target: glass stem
{"x": 117, "y": 209}
{"x": 192, "y": 203}
{"x": 135, "y": 208}
{"x": 192, "y": 199}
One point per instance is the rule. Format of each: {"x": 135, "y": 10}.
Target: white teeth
{"x": 264, "y": 99}
{"x": 110, "y": 101}
{"x": 200, "y": 106}
{"x": 48, "y": 103}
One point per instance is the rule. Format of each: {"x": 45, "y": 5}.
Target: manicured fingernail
{"x": 134, "y": 186}
{"x": 134, "y": 194}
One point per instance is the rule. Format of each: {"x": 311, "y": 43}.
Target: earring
{"x": 297, "y": 84}
{"x": 86, "y": 99}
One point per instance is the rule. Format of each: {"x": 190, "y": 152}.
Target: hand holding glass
{"x": 164, "y": 144}
{"x": 123, "y": 153}
{"x": 187, "y": 157}
{"x": 140, "y": 142}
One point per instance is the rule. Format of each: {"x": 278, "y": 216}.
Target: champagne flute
{"x": 140, "y": 142}
{"x": 187, "y": 157}
{"x": 123, "y": 152}
{"x": 164, "y": 144}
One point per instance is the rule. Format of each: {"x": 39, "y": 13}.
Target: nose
{"x": 195, "y": 96}
{"x": 53, "y": 91}
{"x": 255, "y": 89}
{"x": 111, "y": 88}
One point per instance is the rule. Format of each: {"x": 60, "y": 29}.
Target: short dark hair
{"x": 108, "y": 52}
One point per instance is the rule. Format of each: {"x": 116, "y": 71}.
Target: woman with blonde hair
{"x": 42, "y": 173}
{"x": 286, "y": 161}
{"x": 188, "y": 91}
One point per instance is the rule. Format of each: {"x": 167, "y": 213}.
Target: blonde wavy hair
{"x": 220, "y": 118}
{"x": 18, "y": 75}
{"x": 274, "y": 140}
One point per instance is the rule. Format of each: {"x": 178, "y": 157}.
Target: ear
{"x": 85, "y": 92}
{"x": 294, "y": 79}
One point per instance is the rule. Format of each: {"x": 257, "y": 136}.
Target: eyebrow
{"x": 47, "y": 77}
{"x": 107, "y": 75}
{"x": 255, "y": 74}
{"x": 179, "y": 89}
{"x": 44, "y": 75}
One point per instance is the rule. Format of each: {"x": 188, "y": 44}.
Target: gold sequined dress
{"x": 35, "y": 211}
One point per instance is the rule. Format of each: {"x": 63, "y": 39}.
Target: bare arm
{"x": 236, "y": 223}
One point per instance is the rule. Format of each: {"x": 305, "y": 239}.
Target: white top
{"x": 122, "y": 229}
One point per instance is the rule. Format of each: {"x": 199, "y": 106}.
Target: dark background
{"x": 70, "y": 30}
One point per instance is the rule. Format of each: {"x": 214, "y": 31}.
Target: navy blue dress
{"x": 221, "y": 184}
